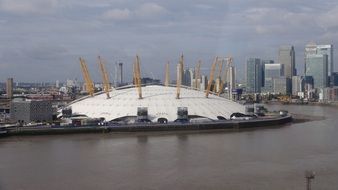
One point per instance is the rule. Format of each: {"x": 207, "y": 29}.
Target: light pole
{"x": 309, "y": 175}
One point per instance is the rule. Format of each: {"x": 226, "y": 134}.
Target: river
{"x": 266, "y": 158}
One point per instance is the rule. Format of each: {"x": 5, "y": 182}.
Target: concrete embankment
{"x": 225, "y": 125}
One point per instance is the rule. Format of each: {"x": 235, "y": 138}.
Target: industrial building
{"x": 31, "y": 111}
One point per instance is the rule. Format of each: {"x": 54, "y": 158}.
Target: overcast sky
{"x": 41, "y": 40}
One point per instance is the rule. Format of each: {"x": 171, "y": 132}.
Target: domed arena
{"x": 158, "y": 103}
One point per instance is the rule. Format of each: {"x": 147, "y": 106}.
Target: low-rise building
{"x": 27, "y": 111}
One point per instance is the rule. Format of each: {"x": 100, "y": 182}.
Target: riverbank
{"x": 229, "y": 125}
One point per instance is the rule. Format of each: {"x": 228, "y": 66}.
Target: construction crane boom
{"x": 86, "y": 76}
{"x": 105, "y": 78}
{"x": 212, "y": 71}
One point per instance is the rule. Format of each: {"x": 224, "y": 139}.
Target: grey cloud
{"x": 25, "y": 6}
{"x": 159, "y": 31}
{"x": 143, "y": 11}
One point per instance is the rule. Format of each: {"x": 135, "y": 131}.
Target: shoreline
{"x": 228, "y": 125}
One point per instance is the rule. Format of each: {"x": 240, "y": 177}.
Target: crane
{"x": 167, "y": 77}
{"x": 197, "y": 73}
{"x": 105, "y": 78}
{"x": 179, "y": 77}
{"x": 212, "y": 71}
{"x": 88, "y": 81}
{"x": 137, "y": 74}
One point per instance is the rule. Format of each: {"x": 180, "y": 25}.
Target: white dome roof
{"x": 161, "y": 103}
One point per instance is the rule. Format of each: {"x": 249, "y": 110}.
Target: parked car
{"x": 241, "y": 116}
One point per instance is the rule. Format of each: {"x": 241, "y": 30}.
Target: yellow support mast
{"x": 105, "y": 77}
{"x": 167, "y": 77}
{"x": 218, "y": 84}
{"x": 197, "y": 73}
{"x": 179, "y": 77}
{"x": 87, "y": 78}
{"x": 138, "y": 76}
{"x": 211, "y": 79}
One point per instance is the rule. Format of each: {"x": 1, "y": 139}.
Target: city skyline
{"x": 42, "y": 39}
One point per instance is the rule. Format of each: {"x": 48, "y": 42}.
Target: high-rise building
{"x": 9, "y": 88}
{"x": 118, "y": 74}
{"x": 264, "y": 62}
{"x": 253, "y": 75}
{"x": 231, "y": 80}
{"x": 316, "y": 66}
{"x": 188, "y": 77}
{"x": 313, "y": 49}
{"x": 286, "y": 57}
{"x": 281, "y": 85}
{"x": 298, "y": 84}
{"x": 272, "y": 71}
{"x": 334, "y": 79}
{"x": 204, "y": 83}
{"x": 327, "y": 50}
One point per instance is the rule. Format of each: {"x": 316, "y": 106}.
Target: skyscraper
{"x": 286, "y": 57}
{"x": 298, "y": 84}
{"x": 272, "y": 71}
{"x": 253, "y": 75}
{"x": 118, "y": 74}
{"x": 281, "y": 85}
{"x": 264, "y": 62}
{"x": 313, "y": 49}
{"x": 316, "y": 66}
{"x": 232, "y": 80}
{"x": 188, "y": 77}
{"x": 9, "y": 87}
